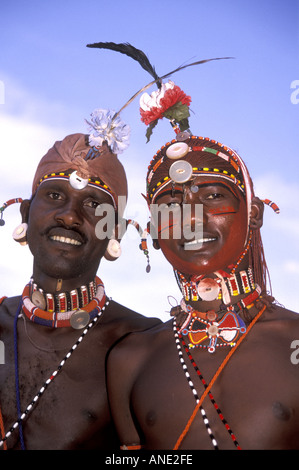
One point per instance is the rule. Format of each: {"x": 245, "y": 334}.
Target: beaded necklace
{"x": 205, "y": 329}
{"x": 208, "y": 387}
{"x": 178, "y": 338}
{"x": 77, "y": 318}
{"x": 197, "y": 288}
{"x": 205, "y": 333}
{"x": 76, "y": 298}
{"x": 54, "y": 374}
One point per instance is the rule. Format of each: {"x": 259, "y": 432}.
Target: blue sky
{"x": 51, "y": 82}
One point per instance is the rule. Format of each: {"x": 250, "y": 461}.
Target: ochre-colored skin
{"x": 73, "y": 412}
{"x": 258, "y": 389}
{"x": 224, "y": 218}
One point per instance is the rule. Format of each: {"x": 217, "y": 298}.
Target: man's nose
{"x": 70, "y": 214}
{"x": 194, "y": 217}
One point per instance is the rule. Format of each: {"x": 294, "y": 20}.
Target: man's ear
{"x": 24, "y": 209}
{"x": 256, "y": 213}
{"x": 156, "y": 244}
{"x": 154, "y": 234}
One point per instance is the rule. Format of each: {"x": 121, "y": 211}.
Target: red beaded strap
{"x": 131, "y": 447}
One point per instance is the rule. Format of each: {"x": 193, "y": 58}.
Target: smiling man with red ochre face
{"x": 222, "y": 220}
{"x": 219, "y": 375}
{"x": 58, "y": 332}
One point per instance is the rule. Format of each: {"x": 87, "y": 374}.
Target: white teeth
{"x": 69, "y": 241}
{"x": 197, "y": 243}
{"x": 200, "y": 240}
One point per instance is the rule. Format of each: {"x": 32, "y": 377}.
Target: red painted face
{"x": 223, "y": 222}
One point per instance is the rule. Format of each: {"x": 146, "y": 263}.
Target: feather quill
{"x": 131, "y": 51}
{"x": 142, "y": 59}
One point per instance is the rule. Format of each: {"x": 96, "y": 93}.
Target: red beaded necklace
{"x": 77, "y": 318}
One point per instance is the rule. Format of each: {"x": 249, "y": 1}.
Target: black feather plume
{"x": 142, "y": 59}
{"x": 131, "y": 51}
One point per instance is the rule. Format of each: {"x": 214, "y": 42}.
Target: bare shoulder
{"x": 284, "y": 320}
{"x": 277, "y": 330}
{"x": 137, "y": 347}
{"x": 141, "y": 340}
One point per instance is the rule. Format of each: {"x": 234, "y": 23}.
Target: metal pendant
{"x": 181, "y": 136}
{"x": 79, "y": 319}
{"x": 208, "y": 289}
{"x": 38, "y": 300}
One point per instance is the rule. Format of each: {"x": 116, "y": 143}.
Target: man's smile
{"x": 69, "y": 241}
{"x": 198, "y": 243}
{"x": 66, "y": 236}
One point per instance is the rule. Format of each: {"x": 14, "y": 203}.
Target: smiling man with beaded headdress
{"x": 219, "y": 375}
{"x": 58, "y": 332}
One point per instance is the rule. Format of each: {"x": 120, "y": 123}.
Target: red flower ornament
{"x": 170, "y": 102}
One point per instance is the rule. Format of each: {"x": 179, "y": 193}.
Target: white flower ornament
{"x": 147, "y": 102}
{"x": 103, "y": 127}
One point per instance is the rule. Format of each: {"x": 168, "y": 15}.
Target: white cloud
{"x": 33, "y": 108}
{"x": 277, "y": 188}
{"x": 22, "y": 144}
{"x": 291, "y": 266}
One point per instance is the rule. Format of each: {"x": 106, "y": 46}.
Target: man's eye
{"x": 55, "y": 196}
{"x": 92, "y": 204}
{"x": 214, "y": 196}
{"x": 173, "y": 205}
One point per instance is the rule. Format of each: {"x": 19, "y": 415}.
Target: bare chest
{"x": 253, "y": 403}
{"x": 61, "y": 390}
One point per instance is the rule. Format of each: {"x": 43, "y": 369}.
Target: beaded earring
{"x": 19, "y": 234}
{"x": 143, "y": 240}
{"x": 7, "y": 204}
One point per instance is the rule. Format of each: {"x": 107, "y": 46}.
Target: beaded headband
{"x": 76, "y": 181}
{"x": 184, "y": 171}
